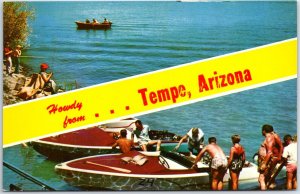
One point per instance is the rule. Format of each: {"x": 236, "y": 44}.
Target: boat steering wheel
{"x": 163, "y": 162}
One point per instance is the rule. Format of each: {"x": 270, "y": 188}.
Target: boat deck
{"x": 152, "y": 166}
{"x": 88, "y": 137}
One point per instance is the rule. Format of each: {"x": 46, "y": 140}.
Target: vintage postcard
{"x": 149, "y": 95}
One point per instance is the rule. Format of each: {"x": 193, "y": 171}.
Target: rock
{"x": 9, "y": 84}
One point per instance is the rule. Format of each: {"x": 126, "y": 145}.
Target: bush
{"x": 15, "y": 22}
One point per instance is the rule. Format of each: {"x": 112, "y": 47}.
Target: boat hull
{"x": 61, "y": 152}
{"x": 98, "y": 26}
{"x": 112, "y": 182}
{"x": 151, "y": 176}
{"x": 95, "y": 141}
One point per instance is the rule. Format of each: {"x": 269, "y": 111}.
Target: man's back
{"x": 124, "y": 144}
{"x": 215, "y": 151}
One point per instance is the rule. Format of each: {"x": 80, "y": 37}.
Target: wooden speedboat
{"x": 94, "y": 26}
{"x": 162, "y": 171}
{"x": 92, "y": 141}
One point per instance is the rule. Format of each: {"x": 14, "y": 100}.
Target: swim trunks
{"x": 291, "y": 168}
{"x": 218, "y": 162}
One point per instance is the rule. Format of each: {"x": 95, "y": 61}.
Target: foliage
{"x": 15, "y": 22}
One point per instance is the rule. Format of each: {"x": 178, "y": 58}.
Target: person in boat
{"x": 236, "y": 160}
{"x": 218, "y": 163}
{"x": 195, "y": 138}
{"x": 290, "y": 156}
{"x": 105, "y": 21}
{"x": 142, "y": 134}
{"x": 87, "y": 21}
{"x": 269, "y": 155}
{"x": 95, "y": 21}
{"x": 125, "y": 144}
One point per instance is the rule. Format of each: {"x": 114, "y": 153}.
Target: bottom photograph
{"x": 176, "y": 149}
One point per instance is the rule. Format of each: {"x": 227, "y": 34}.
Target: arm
{"x": 8, "y": 52}
{"x": 46, "y": 78}
{"x": 19, "y": 52}
{"x": 198, "y": 158}
{"x": 244, "y": 156}
{"x": 180, "y": 142}
{"x": 132, "y": 136}
{"x": 278, "y": 141}
{"x": 114, "y": 145}
{"x": 230, "y": 156}
{"x": 269, "y": 146}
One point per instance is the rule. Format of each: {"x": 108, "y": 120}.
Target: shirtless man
{"x": 273, "y": 151}
{"x": 124, "y": 143}
{"x": 218, "y": 163}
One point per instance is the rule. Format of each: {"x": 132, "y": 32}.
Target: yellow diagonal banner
{"x": 149, "y": 92}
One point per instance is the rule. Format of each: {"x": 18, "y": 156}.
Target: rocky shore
{"x": 9, "y": 86}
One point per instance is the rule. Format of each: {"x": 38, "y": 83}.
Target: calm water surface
{"x": 148, "y": 36}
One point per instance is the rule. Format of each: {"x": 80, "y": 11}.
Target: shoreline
{"x": 9, "y": 84}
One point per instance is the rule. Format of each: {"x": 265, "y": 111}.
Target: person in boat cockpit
{"x": 142, "y": 134}
{"x": 87, "y": 21}
{"x": 195, "y": 138}
{"x": 95, "y": 21}
{"x": 124, "y": 144}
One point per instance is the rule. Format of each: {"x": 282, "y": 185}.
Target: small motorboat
{"x": 141, "y": 171}
{"x": 94, "y": 26}
{"x": 93, "y": 141}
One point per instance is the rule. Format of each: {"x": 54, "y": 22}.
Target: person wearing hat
{"x": 16, "y": 58}
{"x": 50, "y": 85}
{"x": 195, "y": 139}
{"x": 45, "y": 76}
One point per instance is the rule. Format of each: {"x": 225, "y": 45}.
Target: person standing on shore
{"x": 290, "y": 155}
{"x": 16, "y": 58}
{"x": 7, "y": 56}
{"x": 218, "y": 163}
{"x": 236, "y": 161}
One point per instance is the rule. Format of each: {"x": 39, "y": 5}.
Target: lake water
{"x": 148, "y": 36}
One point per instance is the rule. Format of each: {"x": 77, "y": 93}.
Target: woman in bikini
{"x": 236, "y": 161}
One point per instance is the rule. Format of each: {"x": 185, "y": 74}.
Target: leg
{"x": 295, "y": 180}
{"x": 234, "y": 180}
{"x": 289, "y": 177}
{"x": 221, "y": 174}
{"x": 17, "y": 65}
{"x": 144, "y": 147}
{"x": 214, "y": 182}
{"x": 158, "y": 143}
{"x": 261, "y": 180}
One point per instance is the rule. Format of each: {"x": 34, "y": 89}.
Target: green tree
{"x": 15, "y": 22}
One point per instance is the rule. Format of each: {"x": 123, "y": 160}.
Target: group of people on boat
{"x": 95, "y": 21}
{"x": 271, "y": 153}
